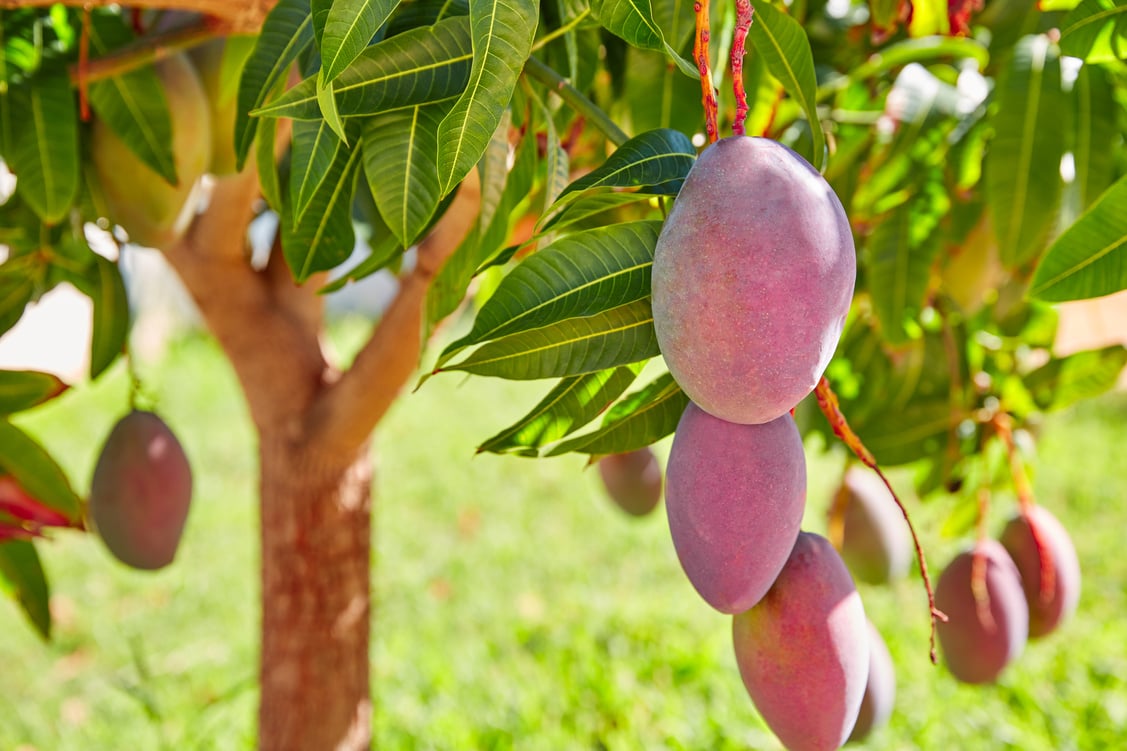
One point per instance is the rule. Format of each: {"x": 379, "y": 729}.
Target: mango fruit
{"x": 734, "y": 496}
{"x": 876, "y": 544}
{"x": 880, "y": 689}
{"x": 1048, "y": 606}
{"x": 753, "y": 275}
{"x": 803, "y": 650}
{"x": 984, "y": 634}
{"x": 153, "y": 212}
{"x": 633, "y": 480}
{"x": 141, "y": 491}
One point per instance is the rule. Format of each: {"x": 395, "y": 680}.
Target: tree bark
{"x": 316, "y": 554}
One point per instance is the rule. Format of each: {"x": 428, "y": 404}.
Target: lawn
{"x": 515, "y": 606}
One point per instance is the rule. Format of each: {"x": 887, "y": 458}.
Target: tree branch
{"x": 346, "y": 412}
{"x": 264, "y": 341}
{"x": 241, "y": 16}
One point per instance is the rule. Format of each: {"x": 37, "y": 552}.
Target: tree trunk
{"x": 315, "y": 594}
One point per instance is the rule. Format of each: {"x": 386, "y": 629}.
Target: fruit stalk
{"x": 739, "y": 39}
{"x": 700, "y": 57}
{"x": 828, "y": 403}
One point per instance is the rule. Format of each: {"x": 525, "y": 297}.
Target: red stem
{"x": 828, "y": 403}
{"x": 700, "y": 56}
{"x": 743, "y": 23}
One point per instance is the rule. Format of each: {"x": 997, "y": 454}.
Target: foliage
{"x": 983, "y": 174}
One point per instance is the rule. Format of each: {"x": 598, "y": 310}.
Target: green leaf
{"x": 502, "y": 40}
{"x": 900, "y": 254}
{"x": 416, "y": 67}
{"x": 328, "y": 106}
{"x": 24, "y": 389}
{"x": 571, "y": 404}
{"x": 286, "y": 33}
{"x": 1090, "y": 258}
{"x": 268, "y": 178}
{"x": 22, "y": 572}
{"x": 579, "y": 275}
{"x": 657, "y": 159}
{"x": 1096, "y": 133}
{"x": 132, "y": 104}
{"x": 23, "y": 458}
{"x": 1063, "y": 381}
{"x": 400, "y": 163}
{"x": 44, "y": 150}
{"x": 900, "y": 436}
{"x": 574, "y": 346}
{"x": 111, "y": 316}
{"x": 349, "y": 28}
{"x": 786, "y": 50}
{"x": 315, "y": 147}
{"x": 633, "y": 21}
{"x": 588, "y": 206}
{"x": 324, "y": 237}
{"x": 676, "y": 19}
{"x": 1095, "y": 31}
{"x": 645, "y": 416}
{"x": 15, "y": 293}
{"x": 1023, "y": 181}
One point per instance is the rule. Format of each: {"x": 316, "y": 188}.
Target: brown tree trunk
{"x": 315, "y": 593}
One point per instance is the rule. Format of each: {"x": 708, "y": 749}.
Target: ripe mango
{"x": 977, "y": 646}
{"x": 753, "y": 275}
{"x": 1049, "y": 608}
{"x": 734, "y": 496}
{"x": 141, "y": 491}
{"x": 880, "y": 689}
{"x": 633, "y": 480}
{"x": 876, "y": 545}
{"x": 803, "y": 651}
{"x": 153, "y": 212}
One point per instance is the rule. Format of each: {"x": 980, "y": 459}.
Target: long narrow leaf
{"x": 132, "y": 104}
{"x": 111, "y": 316}
{"x": 574, "y": 346}
{"x": 23, "y": 389}
{"x": 571, "y": 404}
{"x": 44, "y": 149}
{"x": 349, "y": 28}
{"x": 312, "y": 154}
{"x": 1023, "y": 164}
{"x": 23, "y": 458}
{"x": 1090, "y": 258}
{"x": 655, "y": 158}
{"x": 1096, "y": 133}
{"x": 502, "y": 40}
{"x": 786, "y": 50}
{"x": 22, "y": 572}
{"x": 1095, "y": 31}
{"x": 579, "y": 275}
{"x": 643, "y": 417}
{"x": 400, "y": 153}
{"x": 416, "y": 67}
{"x": 286, "y": 33}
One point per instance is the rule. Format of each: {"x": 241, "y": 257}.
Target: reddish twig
{"x": 739, "y": 39}
{"x": 1004, "y": 428}
{"x": 831, "y": 408}
{"x": 700, "y": 57}
{"x": 83, "y": 66}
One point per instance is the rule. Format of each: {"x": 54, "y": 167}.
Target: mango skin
{"x": 876, "y": 545}
{"x": 633, "y": 480}
{"x": 1045, "y": 613}
{"x": 734, "y": 496}
{"x": 141, "y": 492}
{"x": 153, "y": 212}
{"x": 803, "y": 651}
{"x": 974, "y": 651}
{"x": 753, "y": 275}
{"x": 880, "y": 689}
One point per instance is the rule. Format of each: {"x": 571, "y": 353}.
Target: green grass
{"x": 515, "y": 607}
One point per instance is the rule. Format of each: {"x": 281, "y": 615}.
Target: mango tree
{"x": 520, "y": 158}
